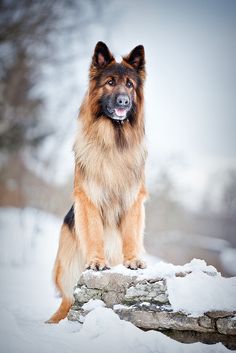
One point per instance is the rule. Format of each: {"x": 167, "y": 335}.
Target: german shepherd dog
{"x": 105, "y": 225}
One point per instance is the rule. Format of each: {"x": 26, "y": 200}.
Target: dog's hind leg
{"x": 67, "y": 270}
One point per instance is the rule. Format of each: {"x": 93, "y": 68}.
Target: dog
{"x": 104, "y": 227}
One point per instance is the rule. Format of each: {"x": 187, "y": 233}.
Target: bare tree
{"x": 30, "y": 34}
{"x": 34, "y": 34}
{"x": 24, "y": 25}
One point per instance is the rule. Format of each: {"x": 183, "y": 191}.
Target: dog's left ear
{"x": 136, "y": 58}
{"x": 102, "y": 56}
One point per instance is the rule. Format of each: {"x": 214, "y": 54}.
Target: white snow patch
{"x": 198, "y": 293}
{"x": 93, "y": 304}
{"x": 145, "y": 304}
{"x": 120, "y": 306}
{"x": 163, "y": 269}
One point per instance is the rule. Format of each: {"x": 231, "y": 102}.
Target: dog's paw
{"x": 134, "y": 264}
{"x": 97, "y": 265}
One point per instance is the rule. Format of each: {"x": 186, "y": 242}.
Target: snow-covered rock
{"x": 191, "y": 297}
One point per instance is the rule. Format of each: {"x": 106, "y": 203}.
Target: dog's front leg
{"x": 132, "y": 225}
{"x": 89, "y": 230}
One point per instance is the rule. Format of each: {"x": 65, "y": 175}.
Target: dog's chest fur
{"x": 111, "y": 178}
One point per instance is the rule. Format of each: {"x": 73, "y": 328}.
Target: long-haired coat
{"x": 105, "y": 225}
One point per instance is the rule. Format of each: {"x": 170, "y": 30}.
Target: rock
{"x": 144, "y": 302}
{"x": 219, "y": 314}
{"x": 227, "y": 325}
{"x": 206, "y": 322}
{"x": 111, "y": 298}
{"x": 101, "y": 280}
{"x": 75, "y": 314}
{"x": 83, "y": 294}
{"x": 162, "y": 320}
{"x": 147, "y": 292}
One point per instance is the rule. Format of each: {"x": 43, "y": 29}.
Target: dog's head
{"x": 116, "y": 88}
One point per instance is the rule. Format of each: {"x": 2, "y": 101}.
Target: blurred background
{"x": 46, "y": 48}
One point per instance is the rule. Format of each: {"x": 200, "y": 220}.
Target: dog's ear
{"x": 102, "y": 56}
{"x": 136, "y": 59}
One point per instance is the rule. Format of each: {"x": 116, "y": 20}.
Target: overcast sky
{"x": 191, "y": 84}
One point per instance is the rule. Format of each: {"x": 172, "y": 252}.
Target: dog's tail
{"x": 67, "y": 269}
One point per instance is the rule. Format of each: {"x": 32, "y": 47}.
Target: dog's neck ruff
{"x": 121, "y": 122}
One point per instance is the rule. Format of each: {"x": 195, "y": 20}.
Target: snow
{"x": 198, "y": 293}
{"x": 164, "y": 270}
{"x": 28, "y": 236}
{"x": 93, "y": 304}
{"x": 27, "y": 299}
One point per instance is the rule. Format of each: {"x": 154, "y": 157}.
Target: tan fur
{"x": 67, "y": 268}
{"x": 109, "y": 194}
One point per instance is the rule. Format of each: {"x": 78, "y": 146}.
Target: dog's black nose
{"x": 122, "y": 100}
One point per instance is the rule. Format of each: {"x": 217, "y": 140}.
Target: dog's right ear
{"x": 102, "y": 56}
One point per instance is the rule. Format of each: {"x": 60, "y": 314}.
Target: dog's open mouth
{"x": 118, "y": 113}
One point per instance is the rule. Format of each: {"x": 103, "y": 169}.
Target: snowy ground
{"x": 27, "y": 298}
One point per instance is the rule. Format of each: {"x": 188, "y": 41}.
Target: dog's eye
{"x": 129, "y": 84}
{"x": 111, "y": 82}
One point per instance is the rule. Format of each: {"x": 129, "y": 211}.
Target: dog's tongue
{"x": 120, "y": 111}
